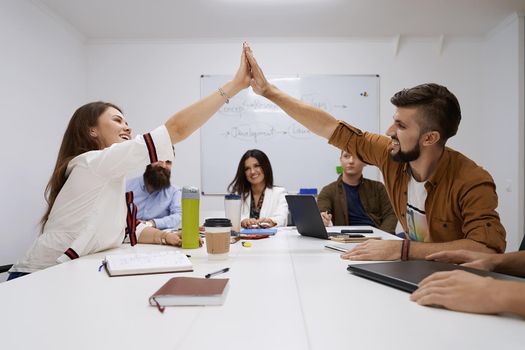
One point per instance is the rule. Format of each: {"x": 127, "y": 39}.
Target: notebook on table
{"x": 258, "y": 231}
{"x": 180, "y": 291}
{"x": 308, "y": 221}
{"x": 147, "y": 263}
{"x": 406, "y": 275}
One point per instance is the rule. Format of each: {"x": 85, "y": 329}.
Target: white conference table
{"x": 286, "y": 292}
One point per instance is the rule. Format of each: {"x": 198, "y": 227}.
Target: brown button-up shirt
{"x": 461, "y": 196}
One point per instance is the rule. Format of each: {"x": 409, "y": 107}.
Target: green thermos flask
{"x": 190, "y": 217}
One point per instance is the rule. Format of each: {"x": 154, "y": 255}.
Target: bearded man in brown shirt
{"x": 443, "y": 200}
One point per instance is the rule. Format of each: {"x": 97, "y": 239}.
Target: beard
{"x": 407, "y": 156}
{"x": 157, "y": 178}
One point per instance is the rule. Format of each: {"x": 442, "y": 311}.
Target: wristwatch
{"x": 150, "y": 223}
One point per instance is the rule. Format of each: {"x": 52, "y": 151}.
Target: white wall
{"x": 501, "y": 140}
{"x": 151, "y": 80}
{"x": 42, "y": 80}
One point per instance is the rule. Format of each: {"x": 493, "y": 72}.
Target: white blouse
{"x": 89, "y": 213}
{"x": 274, "y": 206}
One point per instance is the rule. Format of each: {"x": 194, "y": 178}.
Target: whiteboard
{"x": 299, "y": 158}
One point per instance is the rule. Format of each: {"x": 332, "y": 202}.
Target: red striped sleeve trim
{"x": 129, "y": 197}
{"x": 152, "y": 151}
{"x": 71, "y": 254}
{"x": 133, "y": 227}
{"x": 131, "y": 218}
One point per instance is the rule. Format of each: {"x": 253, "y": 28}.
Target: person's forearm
{"x": 150, "y": 235}
{"x": 511, "y": 297}
{"x": 315, "y": 119}
{"x": 185, "y": 122}
{"x": 420, "y": 250}
{"x": 510, "y": 263}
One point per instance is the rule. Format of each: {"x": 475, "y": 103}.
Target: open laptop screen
{"x": 306, "y": 216}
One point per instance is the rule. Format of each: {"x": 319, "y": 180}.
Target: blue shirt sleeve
{"x": 174, "y": 219}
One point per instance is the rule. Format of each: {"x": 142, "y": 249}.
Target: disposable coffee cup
{"x": 217, "y": 233}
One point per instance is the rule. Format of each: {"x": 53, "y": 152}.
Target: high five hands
{"x": 258, "y": 82}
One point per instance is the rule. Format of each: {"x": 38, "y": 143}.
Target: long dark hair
{"x": 240, "y": 184}
{"x": 76, "y": 140}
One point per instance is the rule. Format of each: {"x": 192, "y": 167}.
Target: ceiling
{"x": 204, "y": 19}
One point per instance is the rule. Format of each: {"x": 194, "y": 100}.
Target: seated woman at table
{"x": 263, "y": 204}
{"x": 464, "y": 291}
{"x": 88, "y": 210}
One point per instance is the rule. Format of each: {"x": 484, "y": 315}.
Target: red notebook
{"x": 190, "y": 291}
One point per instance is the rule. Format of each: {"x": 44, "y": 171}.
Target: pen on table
{"x": 226, "y": 269}
{"x": 343, "y": 250}
{"x": 188, "y": 256}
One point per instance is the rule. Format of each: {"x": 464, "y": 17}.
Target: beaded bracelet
{"x": 405, "y": 249}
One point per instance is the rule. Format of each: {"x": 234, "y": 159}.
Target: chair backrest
{"x": 522, "y": 245}
{"x": 5, "y": 268}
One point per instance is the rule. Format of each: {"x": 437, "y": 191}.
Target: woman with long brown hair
{"x": 88, "y": 209}
{"x": 263, "y": 204}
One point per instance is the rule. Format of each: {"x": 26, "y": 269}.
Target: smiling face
{"x": 111, "y": 128}
{"x": 253, "y": 171}
{"x": 405, "y": 133}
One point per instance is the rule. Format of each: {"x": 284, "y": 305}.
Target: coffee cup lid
{"x": 217, "y": 222}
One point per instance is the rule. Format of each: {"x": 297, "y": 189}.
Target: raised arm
{"x": 185, "y": 122}
{"x": 315, "y": 119}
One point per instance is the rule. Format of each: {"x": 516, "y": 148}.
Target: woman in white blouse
{"x": 263, "y": 204}
{"x": 88, "y": 209}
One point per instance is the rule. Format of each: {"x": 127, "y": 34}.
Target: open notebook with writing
{"x": 147, "y": 263}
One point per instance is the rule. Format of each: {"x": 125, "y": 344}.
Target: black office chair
{"x": 5, "y": 268}
{"x": 522, "y": 245}
{"x": 290, "y": 221}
